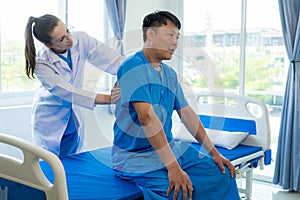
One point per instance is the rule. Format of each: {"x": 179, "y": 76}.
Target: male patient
{"x": 144, "y": 151}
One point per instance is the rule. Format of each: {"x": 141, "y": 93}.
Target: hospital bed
{"x": 88, "y": 175}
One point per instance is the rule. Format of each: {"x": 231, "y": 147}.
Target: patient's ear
{"x": 150, "y": 33}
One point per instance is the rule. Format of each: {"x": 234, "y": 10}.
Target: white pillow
{"x": 225, "y": 139}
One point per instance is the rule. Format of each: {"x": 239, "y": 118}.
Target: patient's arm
{"x": 155, "y": 133}
{"x": 195, "y": 127}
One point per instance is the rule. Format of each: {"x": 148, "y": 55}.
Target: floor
{"x": 267, "y": 191}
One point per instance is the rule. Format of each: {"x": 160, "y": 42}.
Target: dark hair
{"x": 157, "y": 19}
{"x": 42, "y": 29}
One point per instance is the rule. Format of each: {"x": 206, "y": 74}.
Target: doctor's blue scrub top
{"x": 61, "y": 88}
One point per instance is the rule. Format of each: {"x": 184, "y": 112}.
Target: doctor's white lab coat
{"x": 60, "y": 89}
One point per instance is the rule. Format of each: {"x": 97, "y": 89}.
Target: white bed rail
{"x": 28, "y": 171}
{"x": 239, "y": 107}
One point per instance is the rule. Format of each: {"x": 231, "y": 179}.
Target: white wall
{"x": 15, "y": 120}
{"x": 99, "y": 127}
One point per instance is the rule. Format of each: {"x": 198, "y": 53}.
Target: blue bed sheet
{"x": 238, "y": 152}
{"x": 90, "y": 177}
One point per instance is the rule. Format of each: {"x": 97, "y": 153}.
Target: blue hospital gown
{"x": 133, "y": 157}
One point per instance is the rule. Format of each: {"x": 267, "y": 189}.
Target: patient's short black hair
{"x": 157, "y": 19}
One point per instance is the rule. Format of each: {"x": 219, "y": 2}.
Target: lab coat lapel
{"x": 75, "y": 58}
{"x": 55, "y": 58}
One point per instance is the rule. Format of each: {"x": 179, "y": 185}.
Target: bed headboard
{"x": 232, "y": 112}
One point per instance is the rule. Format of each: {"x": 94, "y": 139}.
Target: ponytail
{"x": 30, "y": 55}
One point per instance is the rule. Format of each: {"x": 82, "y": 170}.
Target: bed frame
{"x": 55, "y": 177}
{"x": 230, "y": 112}
{"x": 28, "y": 171}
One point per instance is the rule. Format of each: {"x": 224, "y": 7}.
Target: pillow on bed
{"x": 225, "y": 139}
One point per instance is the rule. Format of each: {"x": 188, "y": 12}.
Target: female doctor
{"x": 57, "y": 121}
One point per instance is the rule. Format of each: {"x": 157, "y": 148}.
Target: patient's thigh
{"x": 155, "y": 185}
{"x": 207, "y": 178}
{"x": 208, "y": 181}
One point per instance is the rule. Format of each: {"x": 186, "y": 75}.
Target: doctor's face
{"x": 61, "y": 38}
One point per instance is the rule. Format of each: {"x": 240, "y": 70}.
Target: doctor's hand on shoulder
{"x": 109, "y": 99}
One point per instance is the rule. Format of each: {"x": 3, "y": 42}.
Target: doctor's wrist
{"x": 102, "y": 99}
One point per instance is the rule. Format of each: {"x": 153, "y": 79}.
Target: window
{"x": 265, "y": 66}
{"x": 217, "y": 32}
{"x": 12, "y": 67}
{"x": 216, "y": 27}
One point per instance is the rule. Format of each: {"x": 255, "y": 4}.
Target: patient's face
{"x": 165, "y": 40}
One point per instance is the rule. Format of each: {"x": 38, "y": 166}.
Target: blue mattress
{"x": 238, "y": 152}
{"x": 90, "y": 177}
